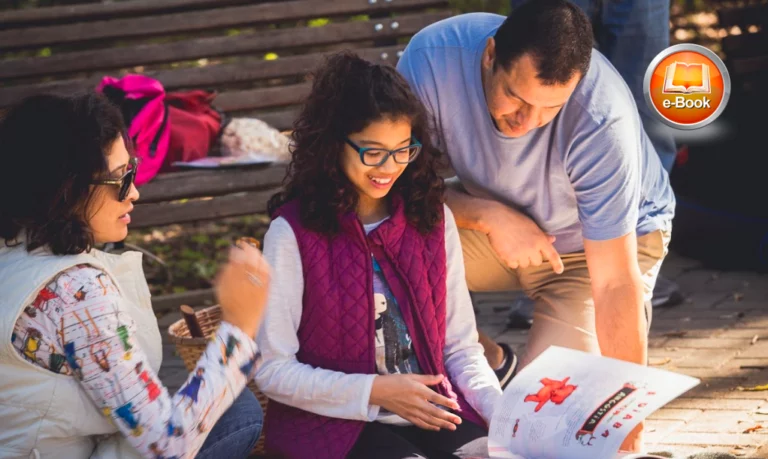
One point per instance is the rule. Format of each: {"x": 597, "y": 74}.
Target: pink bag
{"x": 142, "y": 102}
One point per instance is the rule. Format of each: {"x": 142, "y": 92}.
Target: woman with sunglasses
{"x": 79, "y": 343}
{"x": 369, "y": 344}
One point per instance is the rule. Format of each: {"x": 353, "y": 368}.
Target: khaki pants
{"x": 564, "y": 312}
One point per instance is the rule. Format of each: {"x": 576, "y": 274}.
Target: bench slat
{"x": 745, "y": 45}
{"x": 262, "y": 98}
{"x": 233, "y": 205}
{"x": 748, "y": 65}
{"x": 280, "y": 119}
{"x": 270, "y": 40}
{"x": 204, "y": 77}
{"x": 93, "y": 11}
{"x": 197, "y": 21}
{"x": 255, "y": 99}
{"x": 743, "y": 16}
{"x": 197, "y": 183}
{"x": 171, "y": 301}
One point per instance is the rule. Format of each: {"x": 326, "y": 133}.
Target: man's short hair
{"x": 556, "y": 33}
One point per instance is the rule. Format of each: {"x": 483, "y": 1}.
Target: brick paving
{"x": 710, "y": 336}
{"x": 719, "y": 334}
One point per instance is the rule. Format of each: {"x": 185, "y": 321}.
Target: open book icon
{"x": 681, "y": 77}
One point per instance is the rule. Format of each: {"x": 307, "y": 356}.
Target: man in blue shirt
{"x": 560, "y": 192}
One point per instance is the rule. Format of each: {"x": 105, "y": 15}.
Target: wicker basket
{"x": 190, "y": 349}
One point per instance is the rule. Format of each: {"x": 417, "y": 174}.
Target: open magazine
{"x": 219, "y": 162}
{"x": 570, "y": 404}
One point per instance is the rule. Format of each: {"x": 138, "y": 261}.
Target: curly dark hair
{"x": 348, "y": 94}
{"x": 52, "y": 148}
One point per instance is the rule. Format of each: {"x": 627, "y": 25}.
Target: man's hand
{"x": 515, "y": 238}
{"x": 409, "y": 396}
{"x": 518, "y": 241}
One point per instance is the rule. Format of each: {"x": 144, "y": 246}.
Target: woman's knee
{"x": 237, "y": 431}
{"x": 249, "y": 413}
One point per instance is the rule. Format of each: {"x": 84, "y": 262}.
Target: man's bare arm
{"x": 620, "y": 319}
{"x": 469, "y": 211}
{"x": 617, "y": 288}
{"x": 515, "y": 238}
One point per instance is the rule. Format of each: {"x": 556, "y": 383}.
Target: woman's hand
{"x": 409, "y": 397}
{"x": 241, "y": 288}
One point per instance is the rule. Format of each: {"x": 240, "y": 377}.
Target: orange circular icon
{"x": 687, "y": 86}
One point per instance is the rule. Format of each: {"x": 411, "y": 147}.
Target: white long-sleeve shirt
{"x": 335, "y": 394}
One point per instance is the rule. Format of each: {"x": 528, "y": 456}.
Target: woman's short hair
{"x": 51, "y": 149}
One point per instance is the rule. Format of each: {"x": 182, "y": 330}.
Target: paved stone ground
{"x": 720, "y": 334}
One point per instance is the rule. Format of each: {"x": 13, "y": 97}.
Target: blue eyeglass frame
{"x": 362, "y": 150}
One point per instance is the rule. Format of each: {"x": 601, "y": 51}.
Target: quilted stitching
{"x": 335, "y": 331}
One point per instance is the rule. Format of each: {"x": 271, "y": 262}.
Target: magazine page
{"x": 568, "y": 403}
{"x": 217, "y": 162}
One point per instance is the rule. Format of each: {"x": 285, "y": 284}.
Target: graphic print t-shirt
{"x": 394, "y": 347}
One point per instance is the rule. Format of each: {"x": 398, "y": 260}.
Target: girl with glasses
{"x": 369, "y": 348}
{"x": 79, "y": 343}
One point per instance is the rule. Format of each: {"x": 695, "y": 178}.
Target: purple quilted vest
{"x": 336, "y": 331}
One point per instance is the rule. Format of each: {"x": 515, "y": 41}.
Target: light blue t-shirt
{"x": 590, "y": 173}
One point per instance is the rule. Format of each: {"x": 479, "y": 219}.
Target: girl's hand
{"x": 409, "y": 397}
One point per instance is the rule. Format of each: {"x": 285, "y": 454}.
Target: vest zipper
{"x": 371, "y": 302}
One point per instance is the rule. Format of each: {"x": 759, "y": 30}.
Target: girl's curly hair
{"x": 348, "y": 94}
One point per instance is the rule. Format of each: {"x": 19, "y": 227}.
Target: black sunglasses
{"x": 125, "y": 182}
{"x": 378, "y": 156}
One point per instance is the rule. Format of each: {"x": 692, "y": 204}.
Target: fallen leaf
{"x": 754, "y": 428}
{"x": 738, "y": 451}
{"x": 754, "y": 388}
{"x": 659, "y": 362}
{"x": 675, "y": 334}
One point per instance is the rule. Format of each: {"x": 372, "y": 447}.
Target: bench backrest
{"x": 746, "y": 53}
{"x": 213, "y": 44}
{"x": 221, "y": 45}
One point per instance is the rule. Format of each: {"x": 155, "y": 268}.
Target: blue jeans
{"x": 237, "y": 431}
{"x": 630, "y": 33}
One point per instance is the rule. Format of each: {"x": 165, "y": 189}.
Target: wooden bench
{"x": 747, "y": 53}
{"x": 203, "y": 44}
